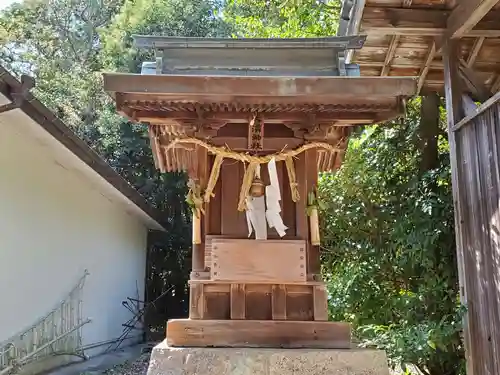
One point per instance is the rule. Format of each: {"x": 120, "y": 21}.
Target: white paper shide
{"x": 266, "y": 209}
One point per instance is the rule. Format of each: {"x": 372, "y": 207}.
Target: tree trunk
{"x": 428, "y": 132}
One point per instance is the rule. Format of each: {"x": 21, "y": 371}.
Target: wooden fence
{"x": 477, "y": 200}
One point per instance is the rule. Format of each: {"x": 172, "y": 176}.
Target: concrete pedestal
{"x": 166, "y": 360}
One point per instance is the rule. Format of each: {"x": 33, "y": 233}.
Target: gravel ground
{"x": 137, "y": 367}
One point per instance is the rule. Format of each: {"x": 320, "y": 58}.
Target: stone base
{"x": 166, "y": 360}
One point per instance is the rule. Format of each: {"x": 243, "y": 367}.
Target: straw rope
{"x": 253, "y": 162}
{"x": 245, "y": 186}
{"x": 214, "y": 176}
{"x": 246, "y": 158}
{"x": 292, "y": 179}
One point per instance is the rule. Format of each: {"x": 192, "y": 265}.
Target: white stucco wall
{"x": 55, "y": 222}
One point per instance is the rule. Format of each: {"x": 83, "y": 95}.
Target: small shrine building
{"x": 253, "y": 122}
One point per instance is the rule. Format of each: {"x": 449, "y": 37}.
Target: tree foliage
{"x": 388, "y": 257}
{"x": 389, "y": 254}
{"x": 283, "y": 19}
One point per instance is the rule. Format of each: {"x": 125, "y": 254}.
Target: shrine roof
{"x": 211, "y": 89}
{"x": 334, "y": 95}
{"x": 275, "y": 76}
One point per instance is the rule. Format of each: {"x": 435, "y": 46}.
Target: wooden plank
{"x": 301, "y": 222}
{"x": 238, "y": 301}
{"x": 354, "y": 24}
{"x": 466, "y": 16}
{"x": 267, "y": 261}
{"x": 310, "y": 181}
{"x": 196, "y": 302}
{"x": 279, "y": 302}
{"x": 288, "y": 204}
{"x": 476, "y": 48}
{"x": 495, "y": 87}
{"x": 213, "y": 212}
{"x": 214, "y": 86}
{"x": 198, "y": 250}
{"x": 492, "y": 161}
{"x": 320, "y": 303}
{"x": 390, "y": 55}
{"x": 454, "y": 110}
{"x": 474, "y": 83}
{"x": 302, "y": 287}
{"x": 260, "y": 334}
{"x": 259, "y": 304}
{"x": 161, "y": 117}
{"x": 425, "y": 68}
{"x": 422, "y": 22}
{"x": 475, "y": 230}
{"x": 404, "y": 17}
{"x": 488, "y": 208}
{"x": 233, "y": 221}
{"x": 480, "y": 109}
{"x": 217, "y": 306}
{"x": 174, "y": 42}
{"x": 427, "y": 31}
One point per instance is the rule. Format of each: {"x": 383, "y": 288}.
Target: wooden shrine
{"x": 253, "y": 122}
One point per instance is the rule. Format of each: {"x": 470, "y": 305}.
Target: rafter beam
{"x": 495, "y": 87}
{"x": 466, "y": 15}
{"x": 425, "y": 68}
{"x": 166, "y": 117}
{"x": 473, "y": 82}
{"x": 476, "y": 48}
{"x": 422, "y": 22}
{"x": 390, "y": 55}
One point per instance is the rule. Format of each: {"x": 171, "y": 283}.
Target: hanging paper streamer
{"x": 256, "y": 217}
{"x": 273, "y": 198}
{"x": 256, "y": 212}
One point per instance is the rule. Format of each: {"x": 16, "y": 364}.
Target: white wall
{"x": 54, "y": 224}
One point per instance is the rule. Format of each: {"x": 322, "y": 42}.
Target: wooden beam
{"x": 454, "y": 109}
{"x": 495, "y": 87}
{"x": 466, "y": 16}
{"x": 425, "y": 68}
{"x": 390, "y": 55}
{"x": 473, "y": 82}
{"x": 162, "y": 117}
{"x": 230, "y": 88}
{"x": 258, "y": 333}
{"x": 476, "y": 48}
{"x": 354, "y": 24}
{"x": 477, "y": 111}
{"x": 421, "y": 22}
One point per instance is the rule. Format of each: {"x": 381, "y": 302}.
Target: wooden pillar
{"x": 307, "y": 178}
{"x": 455, "y": 112}
{"x": 201, "y": 175}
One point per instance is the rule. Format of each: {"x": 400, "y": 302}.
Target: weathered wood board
{"x": 266, "y": 261}
{"x": 262, "y": 334}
